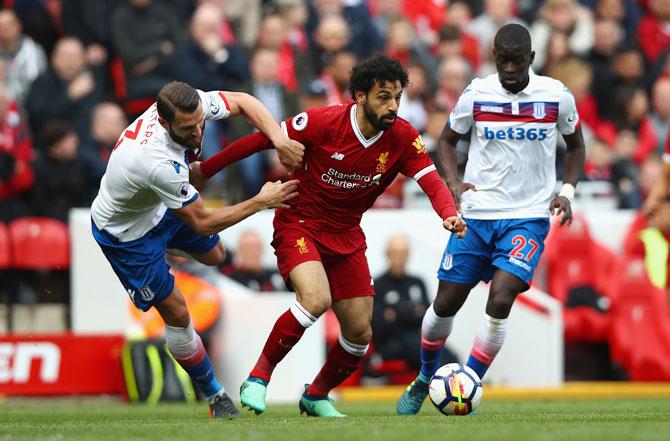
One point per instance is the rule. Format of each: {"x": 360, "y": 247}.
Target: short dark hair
{"x": 376, "y": 69}
{"x": 54, "y": 131}
{"x": 176, "y": 96}
{"x": 513, "y": 35}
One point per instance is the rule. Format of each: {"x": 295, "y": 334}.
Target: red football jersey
{"x": 666, "y": 154}
{"x": 343, "y": 173}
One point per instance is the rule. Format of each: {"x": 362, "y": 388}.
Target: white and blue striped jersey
{"x": 511, "y": 161}
{"x": 147, "y": 173}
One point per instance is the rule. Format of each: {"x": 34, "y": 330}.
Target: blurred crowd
{"x": 73, "y": 73}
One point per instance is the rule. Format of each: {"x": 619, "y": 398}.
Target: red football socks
{"x": 286, "y": 332}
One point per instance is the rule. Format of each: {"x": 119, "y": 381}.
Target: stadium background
{"x": 74, "y": 73}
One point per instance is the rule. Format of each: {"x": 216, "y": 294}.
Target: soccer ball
{"x": 455, "y": 389}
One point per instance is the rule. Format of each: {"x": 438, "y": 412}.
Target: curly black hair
{"x": 377, "y": 68}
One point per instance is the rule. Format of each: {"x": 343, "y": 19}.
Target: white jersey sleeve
{"x": 461, "y": 118}
{"x": 568, "y": 118}
{"x": 214, "y": 104}
{"x": 169, "y": 180}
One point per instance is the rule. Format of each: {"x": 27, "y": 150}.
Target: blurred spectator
{"x": 386, "y": 12}
{"x": 331, "y": 37}
{"x": 453, "y": 76}
{"x": 565, "y": 16}
{"x": 625, "y": 174}
{"x": 274, "y": 34}
{"x": 107, "y": 123}
{"x": 607, "y": 37}
{"x": 248, "y": 269}
{"x": 362, "y": 36}
{"x": 335, "y": 77}
{"x": 264, "y": 85}
{"x": 653, "y": 32}
{"x": 314, "y": 95}
{"x": 91, "y": 23}
{"x": 557, "y": 51}
{"x": 205, "y": 61}
{"x": 650, "y": 238}
{"x": 650, "y": 173}
{"x": 627, "y": 13}
{"x": 41, "y": 19}
{"x": 400, "y": 303}
{"x": 404, "y": 47}
{"x": 630, "y": 113}
{"x": 145, "y": 33}
{"x": 454, "y": 42}
{"x": 24, "y": 59}
{"x": 627, "y": 68}
{"x": 660, "y": 111}
{"x": 65, "y": 176}
{"x": 598, "y": 164}
{"x": 496, "y": 13}
{"x": 244, "y": 16}
{"x": 294, "y": 69}
{"x": 68, "y": 90}
{"x": 427, "y": 17}
{"x": 576, "y": 75}
{"x": 16, "y": 152}
{"x": 412, "y": 107}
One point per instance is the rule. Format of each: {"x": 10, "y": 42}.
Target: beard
{"x": 378, "y": 123}
{"x": 189, "y": 143}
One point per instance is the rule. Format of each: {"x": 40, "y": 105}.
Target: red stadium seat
{"x": 39, "y": 243}
{"x": 572, "y": 258}
{"x": 5, "y": 259}
{"x": 640, "y": 333}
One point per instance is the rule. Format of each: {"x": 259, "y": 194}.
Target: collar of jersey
{"x": 354, "y": 125}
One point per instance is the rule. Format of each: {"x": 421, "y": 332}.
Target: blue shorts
{"x": 512, "y": 245}
{"x": 140, "y": 264}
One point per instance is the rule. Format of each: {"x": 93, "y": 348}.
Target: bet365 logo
{"x": 516, "y": 134}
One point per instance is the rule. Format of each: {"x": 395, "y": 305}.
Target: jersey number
{"x": 520, "y": 243}
{"x": 130, "y": 134}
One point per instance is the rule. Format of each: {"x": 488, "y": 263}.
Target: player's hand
{"x": 559, "y": 205}
{"x": 276, "y": 194}
{"x": 290, "y": 153}
{"x": 195, "y": 176}
{"x": 458, "y": 190}
{"x": 455, "y": 224}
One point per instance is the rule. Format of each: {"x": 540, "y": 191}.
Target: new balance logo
{"x": 338, "y": 156}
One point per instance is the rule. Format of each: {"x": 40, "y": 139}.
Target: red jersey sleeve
{"x": 666, "y": 154}
{"x": 306, "y": 127}
{"x": 418, "y": 165}
{"x": 417, "y": 162}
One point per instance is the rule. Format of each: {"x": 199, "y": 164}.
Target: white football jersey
{"x": 147, "y": 173}
{"x": 512, "y": 156}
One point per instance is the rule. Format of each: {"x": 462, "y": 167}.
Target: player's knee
{"x": 180, "y": 317}
{"x": 216, "y": 257}
{"x": 316, "y": 301}
{"x": 500, "y": 304}
{"x": 358, "y": 334}
{"x": 315, "y": 304}
{"x": 446, "y": 306}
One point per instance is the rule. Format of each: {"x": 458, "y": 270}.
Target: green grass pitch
{"x": 514, "y": 420}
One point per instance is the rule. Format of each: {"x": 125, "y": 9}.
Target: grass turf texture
{"x": 602, "y": 419}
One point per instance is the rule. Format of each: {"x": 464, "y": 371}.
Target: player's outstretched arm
{"x": 659, "y": 192}
{"x": 291, "y": 152}
{"x": 574, "y": 167}
{"x": 446, "y": 150}
{"x": 205, "y": 221}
